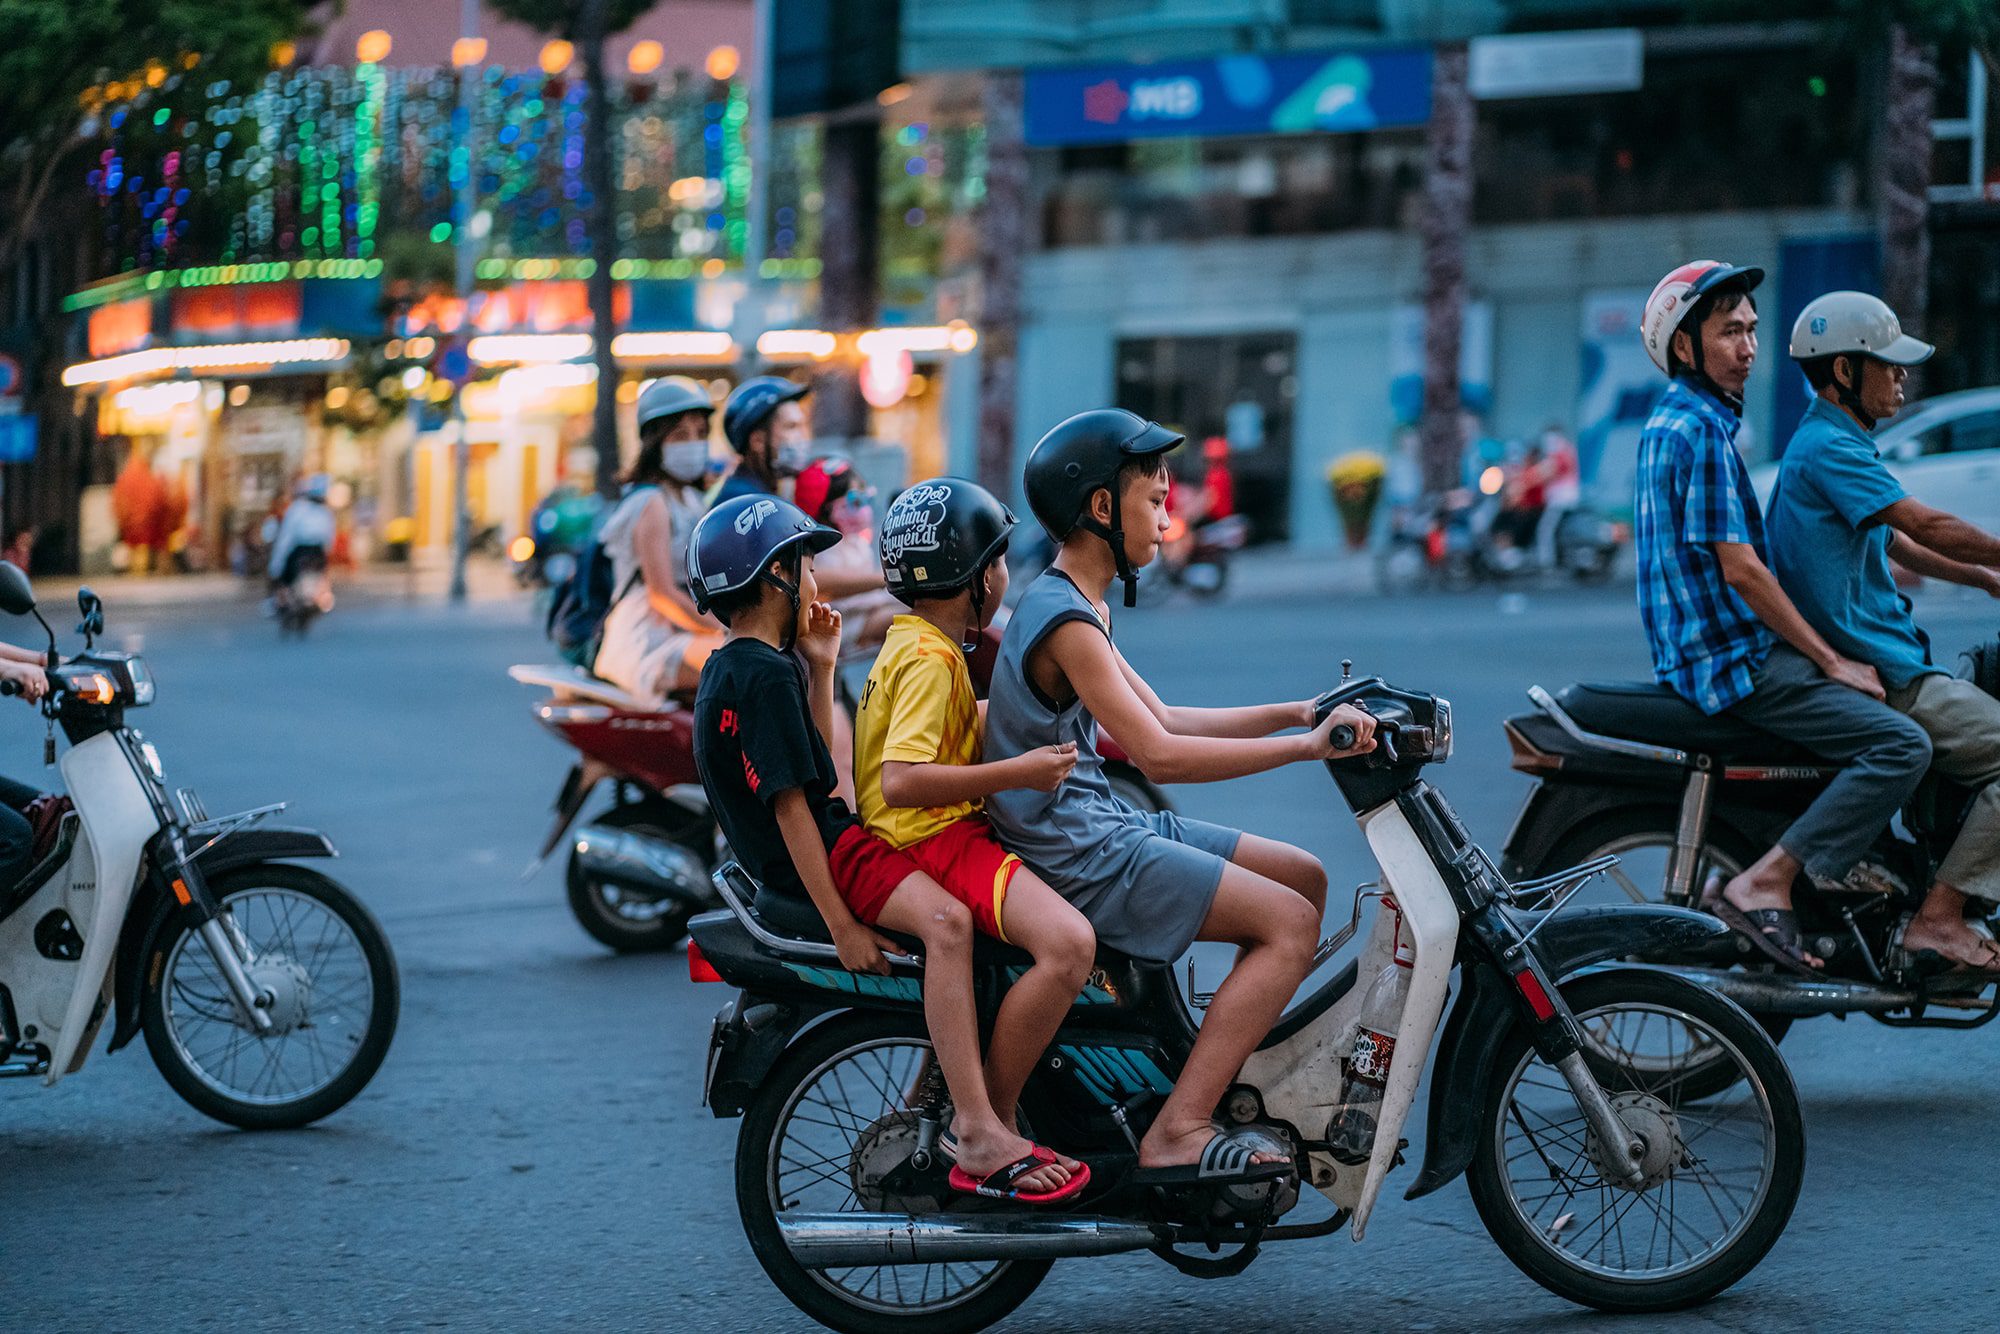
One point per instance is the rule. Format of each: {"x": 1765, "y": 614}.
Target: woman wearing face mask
{"x": 655, "y": 642}
{"x": 834, "y": 494}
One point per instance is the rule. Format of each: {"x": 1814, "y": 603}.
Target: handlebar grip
{"x": 1343, "y": 736}
{"x": 10, "y": 687}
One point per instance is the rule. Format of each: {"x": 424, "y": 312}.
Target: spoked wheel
{"x": 627, "y": 921}
{"x": 323, "y": 962}
{"x": 833, "y": 1131}
{"x": 1643, "y": 842}
{"x": 1719, "y": 1177}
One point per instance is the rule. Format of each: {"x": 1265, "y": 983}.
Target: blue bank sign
{"x": 1242, "y": 94}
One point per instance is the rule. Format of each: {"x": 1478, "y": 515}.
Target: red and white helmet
{"x": 1677, "y": 293}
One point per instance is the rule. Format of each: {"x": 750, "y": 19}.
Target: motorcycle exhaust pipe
{"x": 842, "y": 1241}
{"x": 644, "y": 866}
{"x": 1801, "y": 997}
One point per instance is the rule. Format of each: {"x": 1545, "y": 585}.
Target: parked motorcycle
{"x": 1451, "y": 545}
{"x": 1201, "y": 566}
{"x": 1631, "y": 769}
{"x": 639, "y": 870}
{"x": 1557, "y": 1090}
{"x": 267, "y": 992}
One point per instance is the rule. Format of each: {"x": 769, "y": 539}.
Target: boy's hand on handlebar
{"x": 31, "y": 683}
{"x": 820, "y": 644}
{"x": 1346, "y": 715}
{"x": 861, "y": 949}
{"x": 1044, "y": 768}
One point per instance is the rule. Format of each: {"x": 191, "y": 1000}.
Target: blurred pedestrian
{"x": 1563, "y": 487}
{"x": 833, "y": 493}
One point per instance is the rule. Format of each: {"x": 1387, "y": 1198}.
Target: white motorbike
{"x": 267, "y": 993}
{"x": 1558, "y": 1089}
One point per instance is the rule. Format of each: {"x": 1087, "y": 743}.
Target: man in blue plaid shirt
{"x": 1723, "y": 634}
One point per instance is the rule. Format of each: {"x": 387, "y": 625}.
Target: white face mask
{"x": 790, "y": 460}
{"x": 685, "y": 461}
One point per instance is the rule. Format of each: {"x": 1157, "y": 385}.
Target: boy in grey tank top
{"x": 1150, "y": 885}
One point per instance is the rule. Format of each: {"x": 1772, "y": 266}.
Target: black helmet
{"x": 735, "y": 543}
{"x": 753, "y": 403}
{"x": 940, "y": 536}
{"x": 1075, "y": 459}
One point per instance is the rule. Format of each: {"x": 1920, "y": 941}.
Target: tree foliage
{"x": 64, "y": 61}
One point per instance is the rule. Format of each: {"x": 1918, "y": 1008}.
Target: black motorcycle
{"x": 1629, "y": 769}
{"x": 1558, "y": 1091}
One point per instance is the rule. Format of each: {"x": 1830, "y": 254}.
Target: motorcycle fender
{"x": 749, "y": 1036}
{"x": 154, "y": 914}
{"x": 1569, "y": 943}
{"x": 1557, "y": 806}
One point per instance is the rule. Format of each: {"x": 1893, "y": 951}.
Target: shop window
{"x": 1236, "y": 387}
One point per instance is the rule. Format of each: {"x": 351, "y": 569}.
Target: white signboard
{"x": 265, "y": 430}
{"x": 1544, "y": 64}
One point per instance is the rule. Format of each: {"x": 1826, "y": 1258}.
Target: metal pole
{"x": 468, "y": 199}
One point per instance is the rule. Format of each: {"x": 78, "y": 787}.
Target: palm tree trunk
{"x": 1003, "y": 241}
{"x": 1903, "y": 222}
{"x": 1447, "y": 217}
{"x": 601, "y": 181}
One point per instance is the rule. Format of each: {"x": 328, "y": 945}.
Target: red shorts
{"x": 866, "y": 871}
{"x": 972, "y": 867}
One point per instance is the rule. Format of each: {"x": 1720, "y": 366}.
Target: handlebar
{"x": 1343, "y": 736}
{"x": 10, "y": 687}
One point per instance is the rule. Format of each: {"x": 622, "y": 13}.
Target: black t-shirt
{"x": 754, "y": 738}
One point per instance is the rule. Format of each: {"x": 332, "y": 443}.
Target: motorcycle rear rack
{"x": 737, "y": 889}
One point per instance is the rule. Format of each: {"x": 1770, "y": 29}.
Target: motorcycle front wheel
{"x": 831, "y": 1131}
{"x": 1719, "y": 1176}
{"x": 334, "y": 996}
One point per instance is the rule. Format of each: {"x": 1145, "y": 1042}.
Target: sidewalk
{"x": 486, "y": 580}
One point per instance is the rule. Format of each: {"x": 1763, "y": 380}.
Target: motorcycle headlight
{"x": 1443, "y": 748}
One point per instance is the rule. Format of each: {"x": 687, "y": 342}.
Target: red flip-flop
{"x": 999, "y": 1185}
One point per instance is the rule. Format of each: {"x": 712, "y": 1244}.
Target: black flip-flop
{"x": 1224, "y": 1162}
{"x": 1774, "y": 931}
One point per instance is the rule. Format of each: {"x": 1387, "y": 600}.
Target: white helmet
{"x": 1854, "y": 322}
{"x": 1677, "y": 293}
{"x": 670, "y": 396}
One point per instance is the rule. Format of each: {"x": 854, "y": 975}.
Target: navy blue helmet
{"x": 753, "y": 403}
{"x": 735, "y": 543}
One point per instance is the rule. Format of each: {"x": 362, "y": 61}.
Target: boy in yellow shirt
{"x": 921, "y": 784}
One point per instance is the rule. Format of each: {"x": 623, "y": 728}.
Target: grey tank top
{"x": 1058, "y": 833}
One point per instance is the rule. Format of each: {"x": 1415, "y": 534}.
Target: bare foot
{"x": 985, "y": 1151}
{"x": 1166, "y": 1147}
{"x": 1759, "y": 888}
{"x": 1951, "y": 938}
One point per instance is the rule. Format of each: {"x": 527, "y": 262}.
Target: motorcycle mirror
{"x": 17, "y": 595}
{"x": 92, "y": 607}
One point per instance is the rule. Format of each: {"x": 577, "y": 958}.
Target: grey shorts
{"x": 1152, "y": 897}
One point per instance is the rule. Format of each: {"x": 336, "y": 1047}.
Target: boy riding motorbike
{"x": 1838, "y": 519}
{"x": 1150, "y": 885}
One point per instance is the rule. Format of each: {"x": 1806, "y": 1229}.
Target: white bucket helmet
{"x": 1854, "y": 322}
{"x": 1676, "y": 294}
{"x": 670, "y": 396}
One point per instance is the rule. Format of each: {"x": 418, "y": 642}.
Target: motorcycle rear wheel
{"x": 1536, "y": 1138}
{"x": 609, "y": 923}
{"x": 328, "y": 962}
{"x": 857, "y": 1073}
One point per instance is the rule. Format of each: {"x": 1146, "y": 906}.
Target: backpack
{"x": 577, "y": 609}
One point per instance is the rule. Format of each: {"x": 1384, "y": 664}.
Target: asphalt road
{"x": 532, "y": 1153}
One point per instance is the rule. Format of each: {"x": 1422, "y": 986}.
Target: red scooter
{"x": 639, "y": 870}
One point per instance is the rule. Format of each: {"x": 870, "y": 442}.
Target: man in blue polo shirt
{"x": 1723, "y": 633}
{"x": 1838, "y": 517}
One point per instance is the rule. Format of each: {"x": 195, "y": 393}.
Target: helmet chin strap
{"x": 791, "y": 592}
{"x": 1849, "y": 396}
{"x": 1699, "y": 374}
{"x": 1114, "y": 535}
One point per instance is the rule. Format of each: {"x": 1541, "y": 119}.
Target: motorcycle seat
{"x": 784, "y": 915}
{"x": 1648, "y": 712}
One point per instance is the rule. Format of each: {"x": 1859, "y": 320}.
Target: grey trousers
{"x": 1964, "y": 726}
{"x": 1883, "y": 754}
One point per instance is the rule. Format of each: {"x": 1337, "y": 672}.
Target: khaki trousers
{"x": 1964, "y": 726}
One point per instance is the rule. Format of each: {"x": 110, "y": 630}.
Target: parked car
{"x": 1944, "y": 450}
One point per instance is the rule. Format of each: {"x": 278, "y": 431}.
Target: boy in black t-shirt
{"x": 763, "y": 716}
